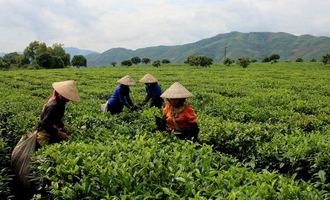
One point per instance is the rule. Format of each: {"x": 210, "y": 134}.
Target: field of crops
{"x": 265, "y": 134}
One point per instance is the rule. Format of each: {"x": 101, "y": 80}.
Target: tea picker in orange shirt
{"x": 179, "y": 116}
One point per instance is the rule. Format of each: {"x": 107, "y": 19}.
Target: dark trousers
{"x": 157, "y": 102}
{"x": 189, "y": 134}
{"x": 114, "y": 109}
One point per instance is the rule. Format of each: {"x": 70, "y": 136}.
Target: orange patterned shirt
{"x": 183, "y": 118}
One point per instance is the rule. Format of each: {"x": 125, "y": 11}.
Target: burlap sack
{"x": 104, "y": 107}
{"x": 21, "y": 156}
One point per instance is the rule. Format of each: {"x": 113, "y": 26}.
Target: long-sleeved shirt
{"x": 153, "y": 91}
{"x": 51, "y": 117}
{"x": 120, "y": 97}
{"x": 153, "y": 95}
{"x": 182, "y": 119}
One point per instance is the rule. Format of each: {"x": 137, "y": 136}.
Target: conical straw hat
{"x": 148, "y": 78}
{"x": 176, "y": 91}
{"x": 67, "y": 89}
{"x": 126, "y": 80}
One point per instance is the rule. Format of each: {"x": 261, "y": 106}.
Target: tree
{"x": 243, "y": 62}
{"x": 4, "y": 64}
{"x": 202, "y": 61}
{"x": 126, "y": 63}
{"x": 34, "y": 49}
{"x": 192, "y": 61}
{"x": 66, "y": 60}
{"x": 166, "y": 61}
{"x": 156, "y": 63}
{"x": 313, "y": 60}
{"x": 79, "y": 61}
{"x": 299, "y": 60}
{"x": 228, "y": 61}
{"x": 24, "y": 61}
{"x": 113, "y": 64}
{"x": 136, "y": 60}
{"x": 13, "y": 58}
{"x": 326, "y": 59}
{"x": 146, "y": 60}
{"x": 57, "y": 50}
{"x": 44, "y": 60}
{"x": 205, "y": 61}
{"x": 274, "y": 57}
{"x": 39, "y": 50}
{"x": 266, "y": 59}
{"x": 57, "y": 62}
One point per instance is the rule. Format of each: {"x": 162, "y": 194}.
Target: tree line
{"x": 244, "y": 61}
{"x": 145, "y": 60}
{"x": 39, "y": 55}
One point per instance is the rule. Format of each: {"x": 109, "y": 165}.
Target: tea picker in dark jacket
{"x": 50, "y": 127}
{"x": 153, "y": 91}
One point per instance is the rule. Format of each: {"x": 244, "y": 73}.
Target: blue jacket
{"x": 120, "y": 97}
{"x": 154, "y": 91}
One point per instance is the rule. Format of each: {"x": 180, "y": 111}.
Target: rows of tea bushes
{"x": 282, "y": 122}
{"x": 264, "y": 134}
{"x": 5, "y": 179}
{"x": 271, "y": 146}
{"x": 156, "y": 167}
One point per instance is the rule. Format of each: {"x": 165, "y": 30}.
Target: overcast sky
{"x": 103, "y": 24}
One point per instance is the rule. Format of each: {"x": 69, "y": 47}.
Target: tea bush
{"x": 155, "y": 167}
{"x": 5, "y": 191}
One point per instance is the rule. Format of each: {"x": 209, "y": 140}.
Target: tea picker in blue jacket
{"x": 120, "y": 97}
{"x": 153, "y": 91}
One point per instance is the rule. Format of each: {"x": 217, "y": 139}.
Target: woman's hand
{"x": 63, "y": 135}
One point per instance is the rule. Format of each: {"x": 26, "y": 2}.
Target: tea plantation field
{"x": 265, "y": 134}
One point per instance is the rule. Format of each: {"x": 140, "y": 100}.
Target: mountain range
{"x": 254, "y": 45}
{"x": 73, "y": 51}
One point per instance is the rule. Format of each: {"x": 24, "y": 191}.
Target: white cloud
{"x": 103, "y": 24}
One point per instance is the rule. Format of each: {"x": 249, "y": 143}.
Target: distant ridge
{"x": 75, "y": 51}
{"x": 255, "y": 45}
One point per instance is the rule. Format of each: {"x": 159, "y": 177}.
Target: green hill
{"x": 255, "y": 45}
{"x": 76, "y": 51}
